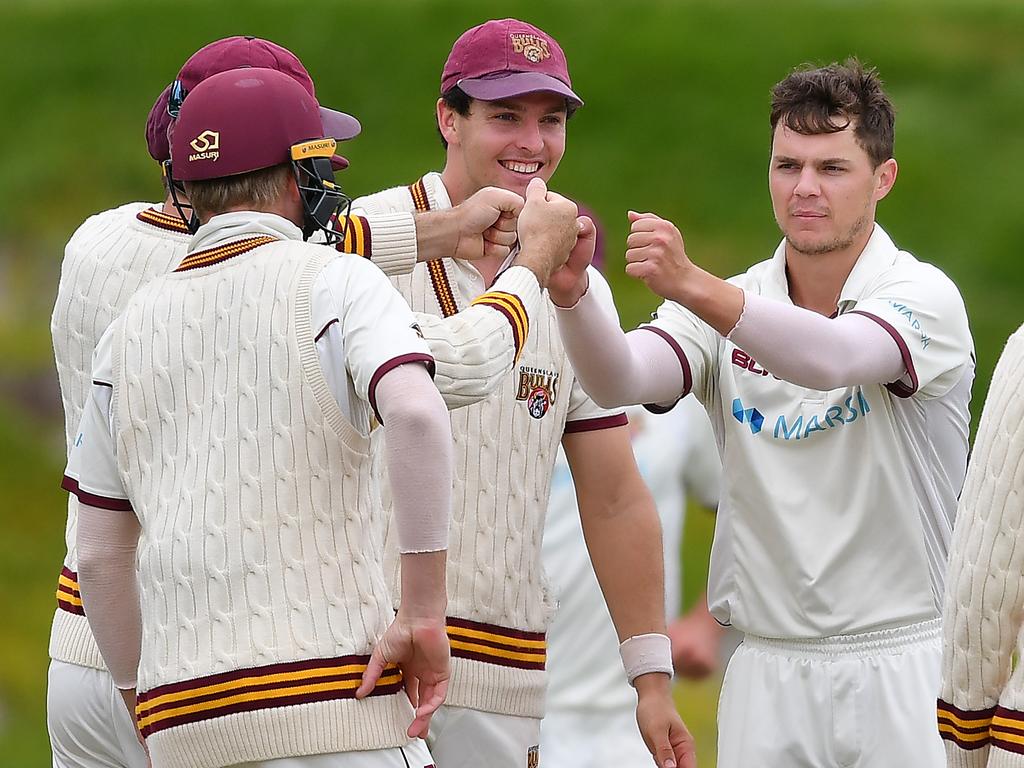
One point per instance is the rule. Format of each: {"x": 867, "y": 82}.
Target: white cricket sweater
{"x": 505, "y": 446}
{"x": 261, "y": 581}
{"x": 106, "y": 260}
{"x": 981, "y": 704}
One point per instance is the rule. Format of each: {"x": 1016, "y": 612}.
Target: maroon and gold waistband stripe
{"x": 68, "y": 597}
{"x": 1007, "y": 730}
{"x": 162, "y": 220}
{"x": 511, "y": 306}
{"x": 357, "y": 236}
{"x": 247, "y": 690}
{"x": 496, "y": 645}
{"x": 212, "y": 256}
{"x": 966, "y": 728}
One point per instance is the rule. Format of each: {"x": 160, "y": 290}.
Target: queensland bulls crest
{"x": 534, "y": 48}
{"x": 538, "y": 388}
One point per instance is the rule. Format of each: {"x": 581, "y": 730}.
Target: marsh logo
{"x": 206, "y": 145}
{"x": 802, "y": 426}
{"x": 534, "y": 48}
{"x": 750, "y": 416}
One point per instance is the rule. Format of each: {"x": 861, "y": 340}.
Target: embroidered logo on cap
{"x": 206, "y": 145}
{"x": 534, "y": 48}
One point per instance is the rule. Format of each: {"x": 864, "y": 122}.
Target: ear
{"x": 886, "y": 175}
{"x": 447, "y": 122}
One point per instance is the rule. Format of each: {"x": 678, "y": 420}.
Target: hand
{"x": 696, "y": 641}
{"x": 569, "y": 282}
{"x": 487, "y": 224}
{"x": 655, "y": 254}
{"x": 130, "y": 701}
{"x": 664, "y": 733}
{"x": 420, "y": 648}
{"x": 547, "y": 230}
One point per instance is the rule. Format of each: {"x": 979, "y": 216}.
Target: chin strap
{"x": 181, "y": 204}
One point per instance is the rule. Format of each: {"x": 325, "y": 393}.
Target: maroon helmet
{"x": 244, "y": 120}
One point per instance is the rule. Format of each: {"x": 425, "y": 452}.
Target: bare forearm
{"x": 624, "y": 540}
{"x": 616, "y": 368}
{"x": 715, "y": 301}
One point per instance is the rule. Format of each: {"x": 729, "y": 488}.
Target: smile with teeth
{"x": 518, "y": 167}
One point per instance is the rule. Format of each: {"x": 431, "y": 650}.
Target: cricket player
{"x": 590, "y": 716}
{"x": 505, "y": 98}
{"x": 225, "y": 450}
{"x": 837, "y": 375}
{"x": 981, "y": 702}
{"x": 114, "y": 253}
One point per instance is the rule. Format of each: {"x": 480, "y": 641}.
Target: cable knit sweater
{"x": 981, "y": 704}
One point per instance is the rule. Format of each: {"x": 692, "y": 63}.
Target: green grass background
{"x": 675, "y": 122}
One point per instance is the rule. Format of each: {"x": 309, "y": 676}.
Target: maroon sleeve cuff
{"x": 415, "y": 357}
{"x": 683, "y": 363}
{"x": 593, "y": 425}
{"x": 898, "y": 388}
{"x": 70, "y": 485}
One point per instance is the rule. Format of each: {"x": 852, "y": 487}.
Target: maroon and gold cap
{"x": 503, "y": 58}
{"x": 156, "y": 128}
{"x": 243, "y": 120}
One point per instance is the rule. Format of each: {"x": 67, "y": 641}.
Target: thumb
{"x": 634, "y": 216}
{"x": 585, "y": 227}
{"x": 536, "y": 188}
{"x": 374, "y": 668}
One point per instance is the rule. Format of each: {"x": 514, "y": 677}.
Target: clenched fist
{"x": 547, "y": 230}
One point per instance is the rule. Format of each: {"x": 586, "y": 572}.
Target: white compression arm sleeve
{"x": 617, "y": 368}
{"x": 107, "y": 543}
{"x": 811, "y": 350}
{"x": 418, "y": 452}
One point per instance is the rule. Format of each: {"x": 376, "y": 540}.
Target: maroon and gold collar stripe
{"x": 247, "y": 690}
{"x": 357, "y": 236}
{"x": 493, "y": 644}
{"x": 222, "y": 253}
{"x": 438, "y": 274}
{"x": 969, "y": 729}
{"x": 511, "y": 306}
{"x": 68, "y": 597}
{"x": 161, "y": 220}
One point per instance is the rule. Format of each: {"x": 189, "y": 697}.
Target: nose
{"x": 807, "y": 185}
{"x": 530, "y": 137}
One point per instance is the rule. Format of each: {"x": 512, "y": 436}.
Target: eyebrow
{"x": 825, "y": 161}
{"x": 511, "y": 106}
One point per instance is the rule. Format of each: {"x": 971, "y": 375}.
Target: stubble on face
{"x": 809, "y": 247}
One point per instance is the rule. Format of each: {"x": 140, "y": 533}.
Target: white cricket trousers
{"x": 468, "y": 738}
{"x": 596, "y": 738}
{"x": 87, "y": 720}
{"x": 412, "y": 755}
{"x": 851, "y": 701}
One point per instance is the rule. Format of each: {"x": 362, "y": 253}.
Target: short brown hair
{"x": 259, "y": 189}
{"x": 814, "y": 100}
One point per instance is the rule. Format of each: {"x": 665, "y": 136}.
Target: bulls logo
{"x": 538, "y": 389}
{"x": 534, "y": 48}
{"x": 206, "y": 145}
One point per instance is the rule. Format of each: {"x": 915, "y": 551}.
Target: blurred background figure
{"x": 590, "y": 711}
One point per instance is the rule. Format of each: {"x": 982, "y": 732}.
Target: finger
{"x": 536, "y": 189}
{"x": 684, "y": 749}
{"x": 586, "y": 227}
{"x": 640, "y": 270}
{"x": 640, "y": 239}
{"x": 493, "y": 250}
{"x": 431, "y": 697}
{"x": 506, "y": 222}
{"x": 374, "y": 669}
{"x": 647, "y": 225}
{"x": 664, "y": 755}
{"x": 509, "y": 203}
{"x": 505, "y": 237}
{"x": 636, "y": 216}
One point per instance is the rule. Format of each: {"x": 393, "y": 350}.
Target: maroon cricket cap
{"x": 505, "y": 58}
{"x": 243, "y": 120}
{"x": 156, "y": 128}
{"x": 245, "y": 51}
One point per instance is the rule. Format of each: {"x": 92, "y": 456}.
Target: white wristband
{"x": 646, "y": 653}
